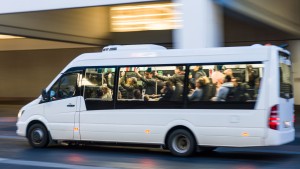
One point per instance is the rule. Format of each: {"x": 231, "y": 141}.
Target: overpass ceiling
{"x": 282, "y": 14}
{"x": 37, "y": 44}
{"x": 87, "y": 26}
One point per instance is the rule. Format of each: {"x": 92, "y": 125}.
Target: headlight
{"x": 20, "y": 113}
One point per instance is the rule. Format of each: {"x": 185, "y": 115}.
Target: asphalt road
{"x": 15, "y": 153}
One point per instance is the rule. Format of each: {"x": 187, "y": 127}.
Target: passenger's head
{"x": 200, "y": 82}
{"x": 71, "y": 90}
{"x": 178, "y": 69}
{"x": 130, "y": 81}
{"x": 105, "y": 89}
{"x": 249, "y": 67}
{"x": 228, "y": 72}
{"x": 227, "y": 78}
{"x": 206, "y": 80}
{"x": 146, "y": 98}
{"x": 197, "y": 67}
{"x": 137, "y": 94}
{"x": 217, "y": 77}
{"x": 149, "y": 74}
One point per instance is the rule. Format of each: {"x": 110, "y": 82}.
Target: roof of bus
{"x": 168, "y": 52}
{"x": 169, "y": 56}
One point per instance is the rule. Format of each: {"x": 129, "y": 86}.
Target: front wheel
{"x": 38, "y": 136}
{"x": 181, "y": 143}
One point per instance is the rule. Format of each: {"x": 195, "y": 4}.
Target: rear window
{"x": 286, "y": 87}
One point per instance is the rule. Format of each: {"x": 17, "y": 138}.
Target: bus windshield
{"x": 286, "y": 87}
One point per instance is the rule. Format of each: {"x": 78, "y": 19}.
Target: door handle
{"x": 70, "y": 105}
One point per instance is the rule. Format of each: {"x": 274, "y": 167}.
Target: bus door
{"x": 61, "y": 109}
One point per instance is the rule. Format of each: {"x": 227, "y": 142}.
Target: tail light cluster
{"x": 274, "y": 120}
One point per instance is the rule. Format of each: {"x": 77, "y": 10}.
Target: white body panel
{"x": 207, "y": 125}
{"x": 214, "y": 127}
{"x": 61, "y": 118}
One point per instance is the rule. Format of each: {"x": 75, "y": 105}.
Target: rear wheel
{"x": 38, "y": 136}
{"x": 181, "y": 143}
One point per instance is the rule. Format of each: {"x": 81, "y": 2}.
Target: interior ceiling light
{"x": 160, "y": 16}
{"x": 9, "y": 37}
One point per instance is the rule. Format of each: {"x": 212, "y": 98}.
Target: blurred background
{"x": 38, "y": 40}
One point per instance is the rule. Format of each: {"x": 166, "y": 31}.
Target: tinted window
{"x": 285, "y": 76}
{"x": 98, "y": 88}
{"x": 151, "y": 87}
{"x": 224, "y": 85}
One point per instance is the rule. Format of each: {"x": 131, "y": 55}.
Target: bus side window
{"x": 244, "y": 82}
{"x": 224, "y": 82}
{"x": 99, "y": 83}
{"x": 151, "y": 83}
{"x": 99, "y": 86}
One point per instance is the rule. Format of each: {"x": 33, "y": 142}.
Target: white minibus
{"x": 183, "y": 100}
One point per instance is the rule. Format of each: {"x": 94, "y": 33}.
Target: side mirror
{"x": 45, "y": 95}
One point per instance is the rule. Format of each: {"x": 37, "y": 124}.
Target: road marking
{"x": 8, "y": 119}
{"x": 12, "y": 137}
{"x": 48, "y": 164}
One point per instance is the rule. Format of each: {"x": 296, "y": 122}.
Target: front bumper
{"x": 21, "y": 129}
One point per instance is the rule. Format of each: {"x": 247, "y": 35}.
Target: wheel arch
{"x": 36, "y": 122}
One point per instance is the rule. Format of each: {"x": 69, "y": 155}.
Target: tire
{"x": 38, "y": 136}
{"x": 181, "y": 143}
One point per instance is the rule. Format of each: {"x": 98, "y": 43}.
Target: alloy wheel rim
{"x": 37, "y": 136}
{"x": 181, "y": 144}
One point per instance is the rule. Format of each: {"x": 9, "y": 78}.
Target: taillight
{"x": 274, "y": 118}
{"x": 294, "y": 119}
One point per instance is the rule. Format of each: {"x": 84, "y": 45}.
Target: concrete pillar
{"x": 202, "y": 22}
{"x": 294, "y": 48}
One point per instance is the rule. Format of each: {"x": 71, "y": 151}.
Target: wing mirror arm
{"x": 45, "y": 96}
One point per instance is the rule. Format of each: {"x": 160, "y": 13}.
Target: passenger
{"x": 256, "y": 88}
{"x": 234, "y": 93}
{"x": 197, "y": 93}
{"x": 240, "y": 90}
{"x": 217, "y": 77}
{"x": 149, "y": 83}
{"x": 106, "y": 93}
{"x": 224, "y": 89}
{"x": 121, "y": 90}
{"x": 67, "y": 92}
{"x": 119, "y": 95}
{"x": 129, "y": 86}
{"x": 251, "y": 76}
{"x": 209, "y": 89}
{"x": 229, "y": 73}
{"x": 196, "y": 73}
{"x": 167, "y": 91}
{"x": 177, "y": 79}
{"x": 109, "y": 81}
{"x": 137, "y": 94}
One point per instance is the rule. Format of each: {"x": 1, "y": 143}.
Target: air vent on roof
{"x": 132, "y": 47}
